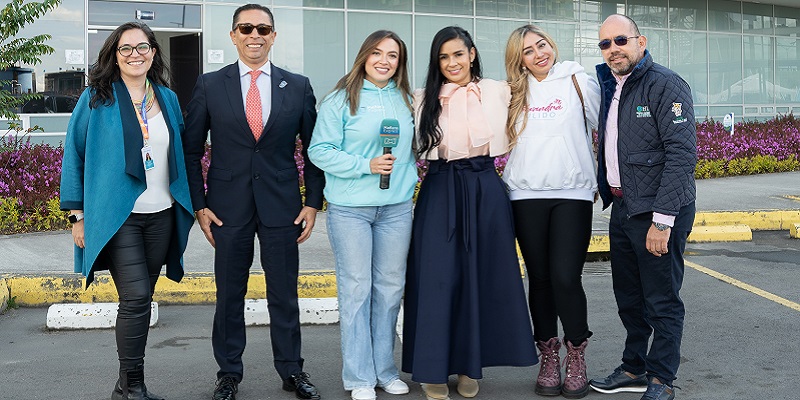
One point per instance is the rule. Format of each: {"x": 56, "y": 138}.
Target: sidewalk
{"x": 38, "y": 267}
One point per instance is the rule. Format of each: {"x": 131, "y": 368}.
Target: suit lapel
{"x": 278, "y": 91}
{"x": 233, "y": 86}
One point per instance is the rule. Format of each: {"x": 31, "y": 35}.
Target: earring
{"x": 470, "y": 64}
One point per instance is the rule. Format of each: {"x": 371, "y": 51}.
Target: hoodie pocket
{"x": 541, "y": 163}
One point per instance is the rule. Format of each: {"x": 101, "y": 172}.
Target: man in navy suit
{"x": 254, "y": 112}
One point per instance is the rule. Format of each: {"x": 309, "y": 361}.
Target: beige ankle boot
{"x": 436, "y": 391}
{"x": 467, "y": 386}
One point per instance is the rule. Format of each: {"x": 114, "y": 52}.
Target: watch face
{"x": 73, "y": 219}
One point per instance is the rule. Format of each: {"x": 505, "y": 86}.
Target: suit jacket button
{"x": 256, "y": 176}
{"x": 257, "y": 150}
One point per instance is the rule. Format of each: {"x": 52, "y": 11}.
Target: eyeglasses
{"x": 126, "y": 50}
{"x": 620, "y": 41}
{"x": 246, "y": 29}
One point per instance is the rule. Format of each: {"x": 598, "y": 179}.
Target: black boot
{"x": 130, "y": 386}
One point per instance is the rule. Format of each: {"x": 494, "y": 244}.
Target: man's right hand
{"x": 204, "y": 218}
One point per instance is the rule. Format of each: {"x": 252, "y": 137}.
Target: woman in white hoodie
{"x": 552, "y": 182}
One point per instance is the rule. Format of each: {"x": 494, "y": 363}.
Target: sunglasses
{"x": 620, "y": 41}
{"x": 246, "y": 29}
{"x": 126, "y": 50}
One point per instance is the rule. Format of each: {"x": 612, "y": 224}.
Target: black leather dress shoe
{"x": 227, "y": 387}
{"x": 301, "y": 386}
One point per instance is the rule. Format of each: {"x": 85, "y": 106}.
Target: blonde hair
{"x": 517, "y": 77}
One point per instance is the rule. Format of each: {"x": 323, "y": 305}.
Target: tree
{"x": 15, "y": 51}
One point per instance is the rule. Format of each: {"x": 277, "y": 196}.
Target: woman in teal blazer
{"x": 124, "y": 181}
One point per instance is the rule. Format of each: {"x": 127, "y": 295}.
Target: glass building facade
{"x": 737, "y": 56}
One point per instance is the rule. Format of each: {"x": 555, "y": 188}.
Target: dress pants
{"x": 647, "y": 290}
{"x": 233, "y": 258}
{"x": 137, "y": 251}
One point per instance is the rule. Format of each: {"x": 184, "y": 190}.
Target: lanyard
{"x": 141, "y": 113}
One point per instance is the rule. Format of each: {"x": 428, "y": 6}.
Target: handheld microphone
{"x": 390, "y": 134}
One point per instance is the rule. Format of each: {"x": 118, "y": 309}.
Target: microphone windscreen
{"x": 390, "y": 132}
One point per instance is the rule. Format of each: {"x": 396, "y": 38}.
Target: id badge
{"x": 147, "y": 158}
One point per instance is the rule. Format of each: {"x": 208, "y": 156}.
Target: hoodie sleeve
{"x": 326, "y": 149}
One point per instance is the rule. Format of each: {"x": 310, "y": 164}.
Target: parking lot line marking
{"x": 750, "y": 288}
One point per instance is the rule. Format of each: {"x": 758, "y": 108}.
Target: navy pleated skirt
{"x": 465, "y": 305}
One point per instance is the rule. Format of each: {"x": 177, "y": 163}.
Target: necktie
{"x": 253, "y": 106}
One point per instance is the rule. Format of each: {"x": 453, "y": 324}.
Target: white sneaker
{"x": 395, "y": 386}
{"x": 366, "y": 393}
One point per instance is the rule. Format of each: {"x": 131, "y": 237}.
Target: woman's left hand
{"x": 382, "y": 165}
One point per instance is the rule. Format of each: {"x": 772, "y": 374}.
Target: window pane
{"x": 787, "y": 74}
{"x": 462, "y": 7}
{"x": 594, "y": 11}
{"x": 787, "y": 21}
{"x": 648, "y": 13}
{"x": 757, "y": 18}
{"x": 689, "y": 58}
{"x": 491, "y": 37}
{"x": 687, "y": 14}
{"x": 724, "y": 16}
{"x": 319, "y": 47}
{"x": 310, "y": 3}
{"x": 504, "y": 8}
{"x": 587, "y": 50}
{"x": 360, "y": 25}
{"x": 719, "y": 112}
{"x": 115, "y": 13}
{"x": 383, "y": 5}
{"x": 426, "y": 29}
{"x": 758, "y": 83}
{"x": 561, "y": 10}
{"x": 61, "y": 75}
{"x": 725, "y": 69}
{"x": 216, "y": 36}
{"x": 657, "y": 45}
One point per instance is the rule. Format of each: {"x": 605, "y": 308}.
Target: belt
{"x": 617, "y": 192}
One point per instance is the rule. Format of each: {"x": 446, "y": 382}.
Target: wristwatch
{"x": 73, "y": 218}
{"x": 661, "y": 227}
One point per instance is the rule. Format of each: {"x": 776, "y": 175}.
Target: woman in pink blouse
{"x": 465, "y": 306}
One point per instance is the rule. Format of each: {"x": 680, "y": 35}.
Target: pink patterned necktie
{"x": 253, "y": 106}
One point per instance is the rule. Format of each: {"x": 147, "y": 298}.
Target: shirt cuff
{"x": 664, "y": 219}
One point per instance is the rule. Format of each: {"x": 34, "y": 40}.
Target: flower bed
{"x": 30, "y": 174}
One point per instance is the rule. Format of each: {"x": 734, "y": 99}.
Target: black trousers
{"x": 280, "y": 261}
{"x": 137, "y": 252}
{"x": 553, "y": 235}
{"x": 647, "y": 290}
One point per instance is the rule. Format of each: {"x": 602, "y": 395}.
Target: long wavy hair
{"x": 430, "y": 134}
{"x": 105, "y": 71}
{"x": 517, "y": 77}
{"x": 352, "y": 83}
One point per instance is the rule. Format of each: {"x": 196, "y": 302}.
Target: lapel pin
{"x": 282, "y": 84}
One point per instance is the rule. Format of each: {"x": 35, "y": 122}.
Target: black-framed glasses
{"x": 620, "y": 41}
{"x": 126, "y": 50}
{"x": 246, "y": 29}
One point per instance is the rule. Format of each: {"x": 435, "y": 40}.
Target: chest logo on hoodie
{"x": 551, "y": 109}
{"x": 373, "y": 108}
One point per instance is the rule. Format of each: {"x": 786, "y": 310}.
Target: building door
{"x": 184, "y": 65}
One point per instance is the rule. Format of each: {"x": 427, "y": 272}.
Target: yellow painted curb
{"x": 195, "y": 288}
{"x": 599, "y": 244}
{"x": 4, "y": 295}
{"x": 728, "y": 233}
{"x": 757, "y": 220}
{"x": 794, "y": 231}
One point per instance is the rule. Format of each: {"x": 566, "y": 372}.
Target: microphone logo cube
{"x": 390, "y": 133}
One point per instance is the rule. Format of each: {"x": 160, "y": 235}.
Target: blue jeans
{"x": 370, "y": 245}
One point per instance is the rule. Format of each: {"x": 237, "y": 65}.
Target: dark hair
{"x": 248, "y": 7}
{"x": 430, "y": 134}
{"x": 352, "y": 83}
{"x": 105, "y": 71}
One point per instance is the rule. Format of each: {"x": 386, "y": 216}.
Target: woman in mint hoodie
{"x": 369, "y": 227}
{"x": 552, "y": 184}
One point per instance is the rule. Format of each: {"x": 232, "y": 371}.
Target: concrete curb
{"x": 767, "y": 220}
{"x": 794, "y": 231}
{"x": 725, "y": 233}
{"x": 195, "y": 288}
{"x": 5, "y": 294}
